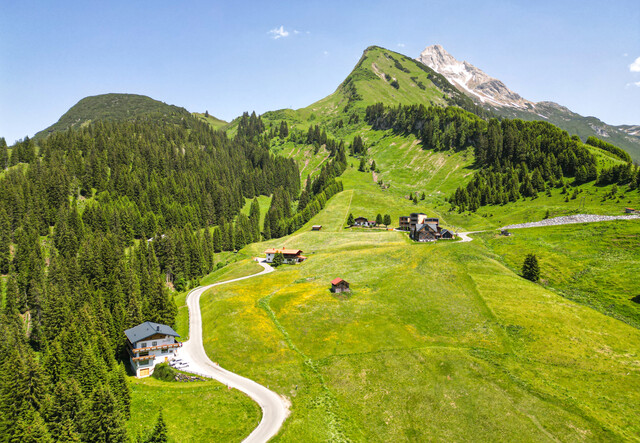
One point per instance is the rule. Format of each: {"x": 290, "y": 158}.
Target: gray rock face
{"x": 493, "y": 95}
{"x": 471, "y": 80}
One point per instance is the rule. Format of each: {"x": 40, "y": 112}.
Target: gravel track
{"x": 569, "y": 219}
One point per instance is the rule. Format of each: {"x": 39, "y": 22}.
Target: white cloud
{"x": 401, "y": 45}
{"x": 325, "y": 53}
{"x": 296, "y": 32}
{"x": 635, "y": 66}
{"x": 625, "y": 54}
{"x": 278, "y": 32}
{"x": 634, "y": 84}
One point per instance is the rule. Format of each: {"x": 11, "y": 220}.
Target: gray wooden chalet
{"x": 149, "y": 344}
{"x": 426, "y": 232}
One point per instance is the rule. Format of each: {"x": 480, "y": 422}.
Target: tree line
{"x": 514, "y": 158}
{"x": 93, "y": 223}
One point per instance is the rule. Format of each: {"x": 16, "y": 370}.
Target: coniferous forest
{"x": 93, "y": 224}
{"x": 513, "y": 158}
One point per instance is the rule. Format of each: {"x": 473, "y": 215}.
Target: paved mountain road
{"x": 275, "y": 408}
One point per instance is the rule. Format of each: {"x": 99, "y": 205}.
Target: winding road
{"x": 275, "y": 408}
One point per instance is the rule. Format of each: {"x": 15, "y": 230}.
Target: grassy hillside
{"x": 435, "y": 341}
{"x": 198, "y": 411}
{"x": 215, "y": 122}
{"x": 594, "y": 265}
{"x": 112, "y": 107}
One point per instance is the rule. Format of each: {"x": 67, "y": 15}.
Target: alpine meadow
{"x": 413, "y": 257}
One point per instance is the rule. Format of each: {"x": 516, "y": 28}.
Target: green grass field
{"x": 436, "y": 341}
{"x": 594, "y": 264}
{"x": 439, "y": 341}
{"x": 194, "y": 412}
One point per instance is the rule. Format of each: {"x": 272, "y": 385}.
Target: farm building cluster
{"x": 423, "y": 228}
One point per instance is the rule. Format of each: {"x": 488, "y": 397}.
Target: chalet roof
{"x": 360, "y": 218}
{"x": 432, "y": 226}
{"x": 283, "y": 251}
{"x": 337, "y": 281}
{"x": 147, "y": 329}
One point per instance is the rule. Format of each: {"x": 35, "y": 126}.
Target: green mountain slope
{"x": 112, "y": 107}
{"x": 577, "y": 124}
{"x": 383, "y": 76}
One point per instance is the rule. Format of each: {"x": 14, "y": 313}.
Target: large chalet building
{"x": 291, "y": 256}
{"x": 423, "y": 228}
{"x": 149, "y": 344}
{"x": 363, "y": 221}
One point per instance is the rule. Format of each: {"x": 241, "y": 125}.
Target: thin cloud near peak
{"x": 635, "y": 66}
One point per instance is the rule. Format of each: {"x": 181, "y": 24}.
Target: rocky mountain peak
{"x": 471, "y": 80}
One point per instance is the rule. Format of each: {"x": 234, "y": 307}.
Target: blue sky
{"x": 221, "y": 57}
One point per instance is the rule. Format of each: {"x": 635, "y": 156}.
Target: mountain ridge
{"x": 493, "y": 95}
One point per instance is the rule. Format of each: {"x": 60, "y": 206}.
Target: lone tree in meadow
{"x": 379, "y": 219}
{"x": 363, "y": 165}
{"x": 278, "y": 259}
{"x": 350, "y": 220}
{"x": 387, "y": 220}
{"x": 530, "y": 268}
{"x": 159, "y": 434}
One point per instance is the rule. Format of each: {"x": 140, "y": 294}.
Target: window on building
{"x": 164, "y": 351}
{"x": 144, "y": 353}
{"x": 154, "y": 343}
{"x": 143, "y": 344}
{"x": 144, "y": 362}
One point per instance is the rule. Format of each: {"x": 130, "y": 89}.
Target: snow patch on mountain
{"x": 472, "y": 80}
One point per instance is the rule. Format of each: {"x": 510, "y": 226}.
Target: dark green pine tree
{"x": 217, "y": 240}
{"x": 102, "y": 420}
{"x": 350, "y": 220}
{"x": 4, "y": 154}
{"x": 284, "y": 129}
{"x": 363, "y": 165}
{"x": 266, "y": 231}
{"x": 530, "y": 268}
{"x": 31, "y": 429}
{"x": 120, "y": 387}
{"x": 387, "y": 220}
{"x": 240, "y": 234}
{"x": 159, "y": 433}
{"x": 278, "y": 259}
{"x": 254, "y": 217}
{"x": 5, "y": 241}
{"x": 379, "y": 219}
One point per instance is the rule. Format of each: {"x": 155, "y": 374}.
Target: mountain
{"x": 112, "y": 107}
{"x": 383, "y": 76}
{"x": 493, "y": 95}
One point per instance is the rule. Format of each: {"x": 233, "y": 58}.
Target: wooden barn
{"x": 339, "y": 285}
{"x": 316, "y": 227}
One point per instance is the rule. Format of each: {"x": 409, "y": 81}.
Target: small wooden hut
{"x": 339, "y": 285}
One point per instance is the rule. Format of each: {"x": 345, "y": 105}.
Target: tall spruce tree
{"x": 530, "y": 268}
